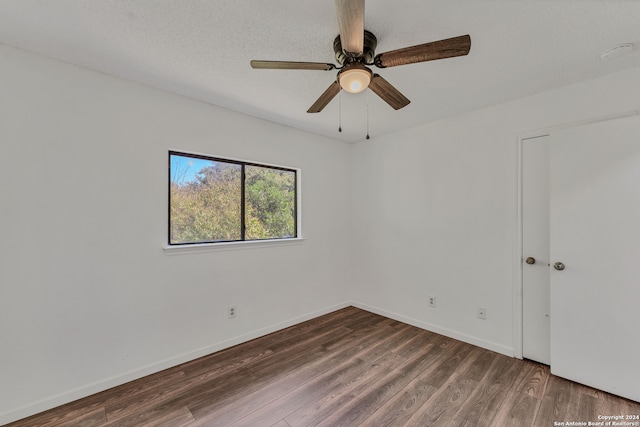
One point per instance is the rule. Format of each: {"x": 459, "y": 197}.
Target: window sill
{"x": 225, "y": 246}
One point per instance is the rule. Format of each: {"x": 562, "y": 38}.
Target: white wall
{"x": 88, "y": 297}
{"x": 435, "y": 211}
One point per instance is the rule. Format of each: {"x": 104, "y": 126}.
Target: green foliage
{"x": 208, "y": 208}
{"x": 270, "y": 203}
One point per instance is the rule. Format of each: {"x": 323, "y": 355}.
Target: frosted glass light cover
{"x": 355, "y": 80}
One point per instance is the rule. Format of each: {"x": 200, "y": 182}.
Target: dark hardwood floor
{"x": 348, "y": 368}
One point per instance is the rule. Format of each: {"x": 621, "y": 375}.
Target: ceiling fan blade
{"x": 291, "y": 65}
{"x": 351, "y": 24}
{"x": 448, "y": 48}
{"x": 325, "y": 98}
{"x": 388, "y": 93}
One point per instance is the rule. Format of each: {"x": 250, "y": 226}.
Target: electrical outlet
{"x": 432, "y": 301}
{"x": 231, "y": 312}
{"x": 482, "y": 313}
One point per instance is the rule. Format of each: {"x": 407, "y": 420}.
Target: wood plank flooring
{"x": 348, "y": 368}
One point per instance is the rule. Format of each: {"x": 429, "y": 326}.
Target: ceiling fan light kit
{"x": 354, "y": 78}
{"x": 355, "y": 50}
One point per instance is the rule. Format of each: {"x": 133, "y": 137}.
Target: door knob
{"x": 530, "y": 260}
{"x": 558, "y": 266}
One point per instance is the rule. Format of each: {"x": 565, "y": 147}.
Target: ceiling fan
{"x": 355, "y": 49}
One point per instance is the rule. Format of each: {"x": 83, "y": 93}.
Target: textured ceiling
{"x": 202, "y": 49}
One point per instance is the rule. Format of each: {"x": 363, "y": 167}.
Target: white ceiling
{"x": 202, "y": 49}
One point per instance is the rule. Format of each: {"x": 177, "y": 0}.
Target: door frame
{"x": 518, "y": 255}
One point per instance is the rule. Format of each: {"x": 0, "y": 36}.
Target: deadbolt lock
{"x": 530, "y": 260}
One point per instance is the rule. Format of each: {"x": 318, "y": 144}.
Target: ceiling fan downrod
{"x": 367, "y": 56}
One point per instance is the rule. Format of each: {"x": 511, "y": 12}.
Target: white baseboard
{"x": 107, "y": 383}
{"x": 498, "y": 348}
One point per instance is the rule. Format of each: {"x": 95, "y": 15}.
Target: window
{"x": 218, "y": 200}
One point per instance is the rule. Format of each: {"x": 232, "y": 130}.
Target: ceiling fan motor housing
{"x": 367, "y": 56}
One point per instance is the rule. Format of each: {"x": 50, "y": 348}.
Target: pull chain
{"x": 340, "y": 112}
{"x": 367, "y": 115}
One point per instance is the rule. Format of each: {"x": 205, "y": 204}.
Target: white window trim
{"x": 225, "y": 246}
{"x": 242, "y": 244}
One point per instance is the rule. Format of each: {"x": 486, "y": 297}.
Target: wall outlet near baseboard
{"x": 482, "y": 313}
{"x": 232, "y": 311}
{"x": 432, "y": 301}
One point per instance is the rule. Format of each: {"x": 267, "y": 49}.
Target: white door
{"x": 535, "y": 249}
{"x": 595, "y": 234}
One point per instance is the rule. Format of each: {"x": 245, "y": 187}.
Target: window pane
{"x": 205, "y": 200}
{"x": 270, "y": 203}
